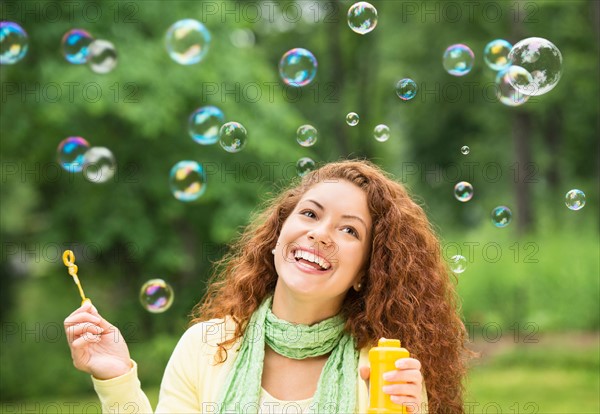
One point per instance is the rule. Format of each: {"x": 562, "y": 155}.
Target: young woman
{"x": 330, "y": 266}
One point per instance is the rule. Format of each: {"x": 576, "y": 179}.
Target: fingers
{"x": 365, "y": 372}
{"x": 405, "y": 375}
{"x": 408, "y": 363}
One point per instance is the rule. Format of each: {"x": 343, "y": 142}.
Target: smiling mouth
{"x": 311, "y": 260}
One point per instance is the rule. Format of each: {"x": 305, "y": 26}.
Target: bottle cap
{"x": 389, "y": 343}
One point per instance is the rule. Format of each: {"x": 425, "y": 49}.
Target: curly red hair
{"x": 407, "y": 292}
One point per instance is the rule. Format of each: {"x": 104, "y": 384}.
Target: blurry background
{"x": 530, "y": 291}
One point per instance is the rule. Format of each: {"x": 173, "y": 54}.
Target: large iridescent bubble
{"x": 187, "y": 181}
{"x": 542, "y": 59}
{"x": 99, "y": 165}
{"x": 458, "y": 59}
{"x": 505, "y": 91}
{"x": 71, "y": 153}
{"x": 496, "y": 53}
{"x": 102, "y": 56}
{"x": 362, "y": 17}
{"x": 298, "y": 67}
{"x": 75, "y": 46}
{"x": 233, "y": 137}
{"x": 13, "y": 43}
{"x": 156, "y": 296}
{"x": 204, "y": 124}
{"x": 187, "y": 41}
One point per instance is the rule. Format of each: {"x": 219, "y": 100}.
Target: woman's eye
{"x": 308, "y": 213}
{"x": 351, "y": 231}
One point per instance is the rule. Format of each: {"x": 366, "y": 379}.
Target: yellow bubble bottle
{"x": 382, "y": 359}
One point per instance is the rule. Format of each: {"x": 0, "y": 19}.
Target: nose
{"x": 320, "y": 235}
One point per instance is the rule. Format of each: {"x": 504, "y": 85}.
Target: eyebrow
{"x": 346, "y": 216}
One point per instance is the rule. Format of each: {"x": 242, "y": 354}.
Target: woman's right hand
{"x": 97, "y": 347}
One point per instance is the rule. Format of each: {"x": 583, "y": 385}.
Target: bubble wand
{"x": 69, "y": 261}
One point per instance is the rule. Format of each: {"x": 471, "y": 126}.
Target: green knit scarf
{"x": 336, "y": 389}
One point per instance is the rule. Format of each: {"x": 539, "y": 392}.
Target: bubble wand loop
{"x": 69, "y": 261}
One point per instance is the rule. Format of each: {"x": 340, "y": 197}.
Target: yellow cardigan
{"x": 192, "y": 380}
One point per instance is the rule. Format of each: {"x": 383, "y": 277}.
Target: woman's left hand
{"x": 409, "y": 389}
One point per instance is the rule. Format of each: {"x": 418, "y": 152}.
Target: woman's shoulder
{"x": 211, "y": 332}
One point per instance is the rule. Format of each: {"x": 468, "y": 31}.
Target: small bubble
{"x": 156, "y": 296}
{"x": 362, "y": 17}
{"x": 458, "y": 59}
{"x": 187, "y": 41}
{"x": 99, "y": 165}
{"x": 496, "y": 53}
{"x": 102, "y": 56}
{"x": 298, "y": 67}
{"x": 501, "y": 216}
{"x": 187, "y": 181}
{"x": 352, "y": 119}
{"x": 381, "y": 133}
{"x": 463, "y": 191}
{"x": 406, "y": 89}
{"x": 575, "y": 199}
{"x": 13, "y": 43}
{"x": 306, "y": 135}
{"x": 75, "y": 46}
{"x": 304, "y": 166}
{"x": 465, "y": 150}
{"x": 458, "y": 263}
{"x": 71, "y": 153}
{"x": 233, "y": 137}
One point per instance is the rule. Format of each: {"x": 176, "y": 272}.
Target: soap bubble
{"x": 298, "y": 67}
{"x": 542, "y": 60}
{"x": 463, "y": 191}
{"x": 71, "y": 153}
{"x": 506, "y": 92}
{"x": 501, "y": 216}
{"x": 156, "y": 296}
{"x": 204, "y": 124}
{"x": 304, "y": 166}
{"x": 242, "y": 38}
{"x": 458, "y": 263}
{"x": 187, "y": 180}
{"x": 458, "y": 59}
{"x": 233, "y": 137}
{"x": 102, "y": 56}
{"x": 575, "y": 199}
{"x": 362, "y": 17}
{"x": 406, "y": 89}
{"x": 306, "y": 135}
{"x": 187, "y": 41}
{"x": 381, "y": 133}
{"x": 352, "y": 119}
{"x": 465, "y": 150}
{"x": 13, "y": 43}
{"x": 75, "y": 46}
{"x": 99, "y": 165}
{"x": 496, "y": 53}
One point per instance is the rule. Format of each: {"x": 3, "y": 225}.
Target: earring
{"x": 273, "y": 251}
{"x": 358, "y": 287}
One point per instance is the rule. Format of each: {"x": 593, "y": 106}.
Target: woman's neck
{"x": 307, "y": 311}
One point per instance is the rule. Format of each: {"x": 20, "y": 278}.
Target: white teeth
{"x": 311, "y": 257}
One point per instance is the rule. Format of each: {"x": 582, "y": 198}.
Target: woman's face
{"x": 325, "y": 242}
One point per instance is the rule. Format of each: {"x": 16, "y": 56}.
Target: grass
{"x": 557, "y": 374}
